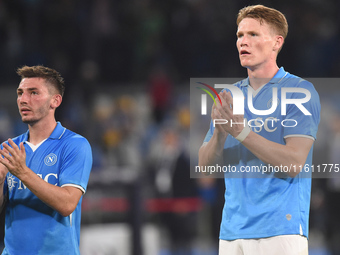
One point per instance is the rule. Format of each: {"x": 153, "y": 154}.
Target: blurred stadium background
{"x": 127, "y": 66}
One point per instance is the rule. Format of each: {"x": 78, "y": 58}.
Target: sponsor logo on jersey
{"x": 51, "y": 178}
{"x": 11, "y": 182}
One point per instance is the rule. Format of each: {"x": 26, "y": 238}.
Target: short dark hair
{"x": 50, "y": 75}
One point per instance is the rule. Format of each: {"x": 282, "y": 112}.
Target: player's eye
{"x": 34, "y": 93}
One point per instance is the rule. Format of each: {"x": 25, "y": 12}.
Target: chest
{"x": 263, "y": 110}
{"x": 45, "y": 161}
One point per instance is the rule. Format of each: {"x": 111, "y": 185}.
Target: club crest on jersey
{"x": 270, "y": 103}
{"x": 50, "y": 159}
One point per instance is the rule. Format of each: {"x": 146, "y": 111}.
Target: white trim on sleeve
{"x": 305, "y": 136}
{"x": 74, "y": 185}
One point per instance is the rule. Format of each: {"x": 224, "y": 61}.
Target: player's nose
{"x": 23, "y": 98}
{"x": 244, "y": 41}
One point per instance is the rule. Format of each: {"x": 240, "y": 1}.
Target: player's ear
{"x": 56, "y": 101}
{"x": 278, "y": 43}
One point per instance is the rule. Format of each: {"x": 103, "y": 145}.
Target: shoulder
{"x": 74, "y": 147}
{"x": 241, "y": 83}
{"x": 292, "y": 80}
{"x": 293, "y": 83}
{"x": 20, "y": 138}
{"x": 74, "y": 140}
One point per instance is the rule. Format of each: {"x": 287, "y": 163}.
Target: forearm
{"x": 56, "y": 197}
{"x": 277, "y": 154}
{"x": 2, "y": 196}
{"x": 211, "y": 153}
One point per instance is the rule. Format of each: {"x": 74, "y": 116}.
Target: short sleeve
{"x": 209, "y": 133}
{"x": 76, "y": 163}
{"x": 296, "y": 122}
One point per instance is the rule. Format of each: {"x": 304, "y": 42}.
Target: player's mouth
{"x": 244, "y": 53}
{"x": 25, "y": 110}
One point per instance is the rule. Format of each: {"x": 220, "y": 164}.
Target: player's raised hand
{"x": 235, "y": 123}
{"x": 217, "y": 114}
{"x": 14, "y": 158}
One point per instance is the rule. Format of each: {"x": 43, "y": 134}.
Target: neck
{"x": 261, "y": 76}
{"x": 40, "y": 131}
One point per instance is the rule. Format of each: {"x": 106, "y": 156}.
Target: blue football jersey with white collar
{"x": 31, "y": 226}
{"x": 257, "y": 204}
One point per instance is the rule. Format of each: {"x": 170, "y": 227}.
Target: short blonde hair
{"x": 272, "y": 17}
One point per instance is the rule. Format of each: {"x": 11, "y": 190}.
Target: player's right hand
{"x": 215, "y": 114}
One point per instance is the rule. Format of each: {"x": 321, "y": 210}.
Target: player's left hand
{"x": 14, "y": 158}
{"x": 235, "y": 122}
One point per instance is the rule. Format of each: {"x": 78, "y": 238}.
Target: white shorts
{"x": 276, "y": 245}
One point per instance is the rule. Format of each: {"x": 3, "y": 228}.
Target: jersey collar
{"x": 278, "y": 77}
{"x": 58, "y": 131}
{"x": 56, "y": 134}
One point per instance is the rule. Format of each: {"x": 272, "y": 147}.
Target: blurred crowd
{"x": 127, "y": 66}
{"x": 111, "y": 40}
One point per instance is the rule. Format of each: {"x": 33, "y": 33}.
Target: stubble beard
{"x": 41, "y": 112}
{"x": 29, "y": 121}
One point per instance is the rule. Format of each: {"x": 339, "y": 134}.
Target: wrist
{"x": 243, "y": 134}
{"x": 23, "y": 174}
{"x": 220, "y": 133}
{"x": 220, "y": 138}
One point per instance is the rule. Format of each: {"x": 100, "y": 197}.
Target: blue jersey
{"x": 31, "y": 226}
{"x": 262, "y": 207}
